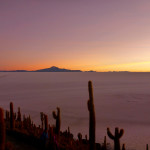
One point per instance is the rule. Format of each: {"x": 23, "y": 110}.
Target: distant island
{"x": 51, "y": 69}
{"x": 56, "y": 69}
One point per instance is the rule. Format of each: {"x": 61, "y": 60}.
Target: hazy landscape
{"x": 121, "y": 100}
{"x": 54, "y": 54}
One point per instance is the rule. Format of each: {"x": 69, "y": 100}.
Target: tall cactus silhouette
{"x": 12, "y": 122}
{"x": 92, "y": 121}
{"x": 104, "y": 147}
{"x": 80, "y": 137}
{"x": 2, "y": 130}
{"x": 58, "y": 121}
{"x": 19, "y": 114}
{"x": 46, "y": 122}
{"x": 116, "y": 137}
{"x": 7, "y": 115}
{"x": 146, "y": 146}
{"x": 42, "y": 118}
{"x": 123, "y": 147}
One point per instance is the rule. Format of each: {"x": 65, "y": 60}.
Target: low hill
{"x": 56, "y": 69}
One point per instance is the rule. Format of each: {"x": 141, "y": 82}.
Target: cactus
{"x": 92, "y": 121}
{"x": 58, "y": 122}
{"x": 42, "y": 118}
{"x": 68, "y": 130}
{"x": 7, "y": 115}
{"x": 29, "y": 120}
{"x": 123, "y": 147}
{"x": 50, "y": 133}
{"x": 80, "y": 137}
{"x": 15, "y": 116}
{"x": 12, "y": 122}
{"x": 46, "y": 122}
{"x": 19, "y": 115}
{"x": 146, "y": 146}
{"x": 2, "y": 130}
{"x": 116, "y": 137}
{"x": 105, "y": 144}
{"x": 86, "y": 137}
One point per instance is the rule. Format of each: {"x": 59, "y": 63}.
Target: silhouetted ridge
{"x": 14, "y": 71}
{"x": 56, "y": 69}
{"x": 51, "y": 69}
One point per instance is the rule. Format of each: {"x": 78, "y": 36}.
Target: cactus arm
{"x": 57, "y": 117}
{"x": 110, "y": 134}
{"x": 58, "y": 110}
{"x": 88, "y": 104}
{"x": 121, "y": 133}
{"x": 54, "y": 115}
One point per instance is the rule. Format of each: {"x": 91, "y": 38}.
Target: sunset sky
{"x": 101, "y": 35}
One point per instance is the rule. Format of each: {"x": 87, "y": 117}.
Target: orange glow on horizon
{"x": 132, "y": 67}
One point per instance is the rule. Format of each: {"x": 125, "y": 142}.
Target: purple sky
{"x": 76, "y": 34}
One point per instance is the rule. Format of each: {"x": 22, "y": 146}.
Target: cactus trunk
{"x": 2, "y": 130}
{"x": 92, "y": 121}
{"x": 42, "y": 118}
{"x": 19, "y": 115}
{"x": 123, "y": 147}
{"x": 12, "y": 123}
{"x": 117, "y": 144}
{"x": 105, "y": 143}
{"x": 58, "y": 122}
{"x": 46, "y": 122}
{"x": 146, "y": 146}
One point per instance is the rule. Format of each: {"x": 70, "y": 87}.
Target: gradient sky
{"x": 101, "y": 35}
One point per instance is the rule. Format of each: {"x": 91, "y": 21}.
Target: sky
{"x": 100, "y": 35}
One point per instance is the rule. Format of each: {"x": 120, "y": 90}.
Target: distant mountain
{"x": 90, "y": 71}
{"x": 51, "y": 69}
{"x": 56, "y": 69}
{"x": 14, "y": 71}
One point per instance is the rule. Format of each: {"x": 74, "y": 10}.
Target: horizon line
{"x": 90, "y": 70}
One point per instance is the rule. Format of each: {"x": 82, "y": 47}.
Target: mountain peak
{"x": 56, "y": 69}
{"x": 53, "y": 67}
